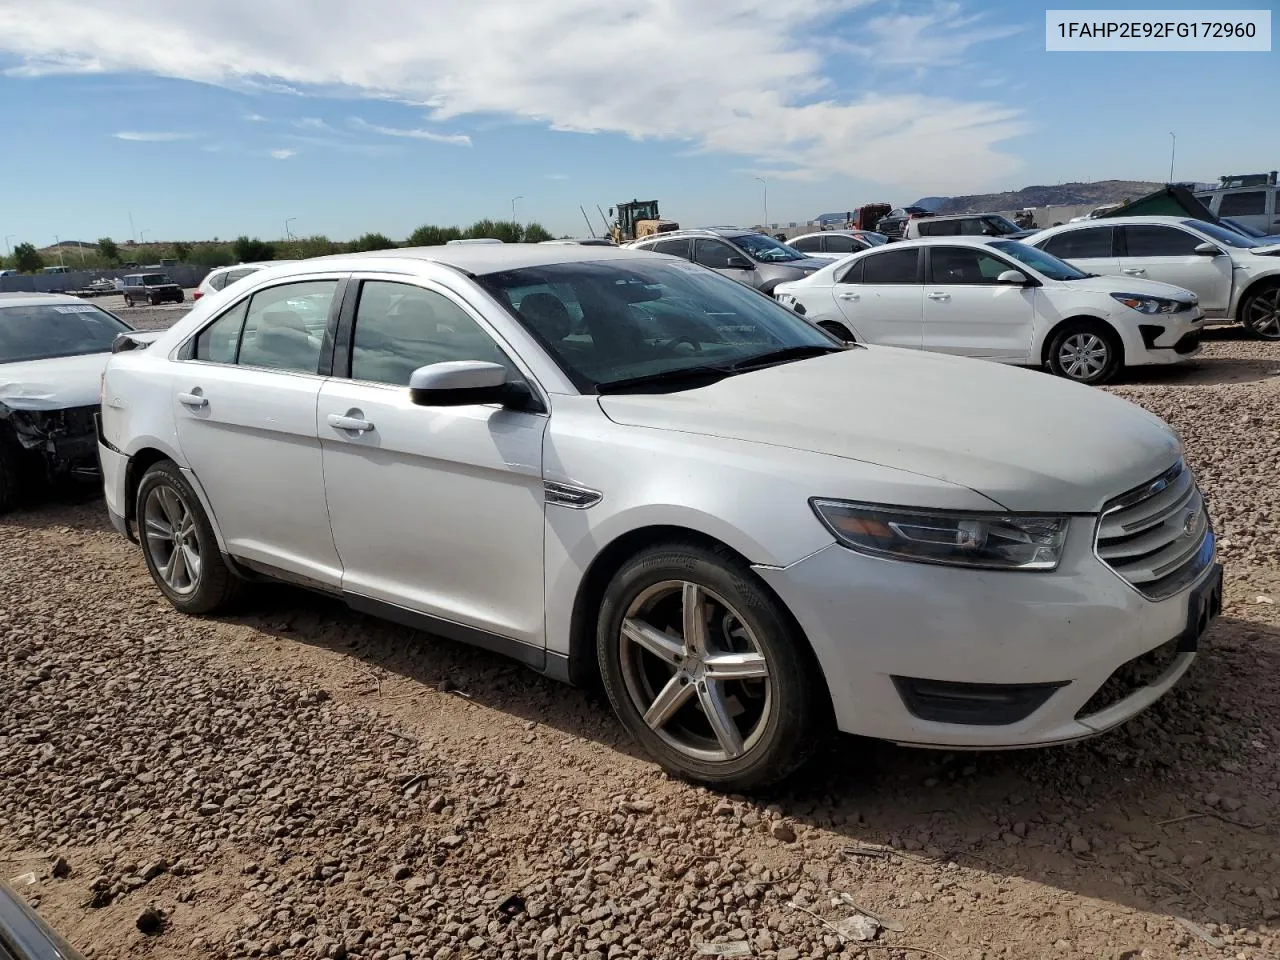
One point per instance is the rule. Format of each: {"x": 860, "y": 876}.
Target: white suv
{"x": 1236, "y": 277}
{"x": 999, "y": 300}
{"x": 225, "y": 276}
{"x": 617, "y": 464}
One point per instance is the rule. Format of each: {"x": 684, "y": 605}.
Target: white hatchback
{"x": 999, "y": 300}
{"x": 620, "y": 465}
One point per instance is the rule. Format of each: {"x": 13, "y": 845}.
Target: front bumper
{"x": 1171, "y": 338}
{"x": 1054, "y": 639}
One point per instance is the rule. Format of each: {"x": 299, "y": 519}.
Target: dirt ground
{"x": 303, "y": 781}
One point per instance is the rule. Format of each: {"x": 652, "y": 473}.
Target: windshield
{"x": 44, "y": 331}
{"x": 1222, "y": 234}
{"x": 766, "y": 249}
{"x": 618, "y": 320}
{"x": 1039, "y": 261}
{"x": 1243, "y": 228}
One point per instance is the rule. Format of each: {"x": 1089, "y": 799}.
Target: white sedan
{"x": 999, "y": 300}
{"x": 618, "y": 464}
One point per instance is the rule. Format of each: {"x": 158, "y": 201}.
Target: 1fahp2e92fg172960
{"x": 619, "y": 465}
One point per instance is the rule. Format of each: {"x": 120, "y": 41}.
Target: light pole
{"x": 513, "y": 207}
{"x": 143, "y": 235}
{"x": 287, "y": 234}
{"x": 1172, "y": 151}
{"x": 764, "y": 193}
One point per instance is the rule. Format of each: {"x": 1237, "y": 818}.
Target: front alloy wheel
{"x": 707, "y": 670}
{"x": 1086, "y": 353}
{"x": 1261, "y": 314}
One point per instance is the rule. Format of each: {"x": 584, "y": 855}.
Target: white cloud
{"x": 939, "y": 36}
{"x": 255, "y": 118}
{"x": 152, "y": 136}
{"x": 557, "y": 176}
{"x": 743, "y": 77}
{"x": 284, "y": 153}
{"x": 312, "y": 123}
{"x": 453, "y": 139}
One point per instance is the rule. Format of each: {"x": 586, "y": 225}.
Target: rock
{"x": 1079, "y": 845}
{"x": 437, "y": 803}
{"x": 723, "y": 809}
{"x": 151, "y": 921}
{"x": 451, "y": 841}
{"x": 153, "y": 870}
{"x": 401, "y": 871}
{"x": 1230, "y": 804}
{"x": 60, "y": 869}
{"x": 788, "y": 953}
{"x": 781, "y": 830}
{"x": 637, "y": 806}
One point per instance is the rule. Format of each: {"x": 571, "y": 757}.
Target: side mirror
{"x": 1013, "y": 277}
{"x": 739, "y": 263}
{"x": 461, "y": 383}
{"x": 1208, "y": 250}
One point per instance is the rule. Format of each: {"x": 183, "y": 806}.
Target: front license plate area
{"x": 1203, "y": 606}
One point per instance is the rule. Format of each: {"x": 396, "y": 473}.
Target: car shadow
{"x": 1171, "y": 813}
{"x": 1203, "y": 371}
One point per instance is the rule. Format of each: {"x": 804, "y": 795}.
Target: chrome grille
{"x": 1158, "y": 537}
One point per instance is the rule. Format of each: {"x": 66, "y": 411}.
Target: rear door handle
{"x": 938, "y": 296}
{"x": 193, "y": 400}
{"x": 354, "y": 424}
{"x": 847, "y": 296}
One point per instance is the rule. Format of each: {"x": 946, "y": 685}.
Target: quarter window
{"x": 1246, "y": 204}
{"x": 218, "y": 281}
{"x": 1152, "y": 240}
{"x": 1081, "y": 244}
{"x": 400, "y": 328}
{"x": 852, "y": 273}
{"x": 891, "y": 266}
{"x": 284, "y": 328}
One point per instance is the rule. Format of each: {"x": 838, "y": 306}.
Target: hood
{"x": 1150, "y": 288}
{"x": 52, "y": 384}
{"x": 810, "y": 264}
{"x": 1027, "y": 440}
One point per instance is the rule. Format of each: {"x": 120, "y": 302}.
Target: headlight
{"x": 993, "y": 541}
{"x": 1145, "y": 304}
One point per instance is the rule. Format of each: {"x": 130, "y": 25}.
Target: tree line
{"x": 109, "y": 255}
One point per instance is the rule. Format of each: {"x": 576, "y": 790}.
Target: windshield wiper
{"x": 683, "y": 378}
{"x": 785, "y": 355}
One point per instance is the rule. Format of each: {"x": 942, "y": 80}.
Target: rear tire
{"x": 1260, "y": 313}
{"x": 128, "y": 300}
{"x": 738, "y": 707}
{"x": 1087, "y": 352}
{"x": 179, "y": 545}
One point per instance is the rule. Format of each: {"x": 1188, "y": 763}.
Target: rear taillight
{"x": 197, "y": 295}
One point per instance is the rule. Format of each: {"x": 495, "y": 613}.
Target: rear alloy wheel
{"x": 1260, "y": 313}
{"x": 1086, "y": 353}
{"x": 179, "y": 544}
{"x": 707, "y": 671}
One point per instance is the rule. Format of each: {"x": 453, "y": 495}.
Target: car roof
{"x": 478, "y": 258}
{"x": 1121, "y": 221}
{"x": 830, "y": 233}
{"x": 962, "y": 216}
{"x": 28, "y": 299}
{"x": 727, "y": 232}
{"x": 937, "y": 242}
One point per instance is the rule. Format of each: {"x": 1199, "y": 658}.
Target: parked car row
{"x": 616, "y": 464}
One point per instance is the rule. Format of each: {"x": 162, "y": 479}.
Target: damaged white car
{"x": 52, "y": 352}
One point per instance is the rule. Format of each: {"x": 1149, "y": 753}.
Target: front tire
{"x": 1260, "y": 313}
{"x": 128, "y": 300}
{"x": 707, "y": 671}
{"x": 1086, "y": 352}
{"x": 179, "y": 545}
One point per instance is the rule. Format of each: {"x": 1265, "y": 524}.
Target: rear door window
{"x": 891, "y": 266}
{"x": 676, "y": 248}
{"x": 1081, "y": 244}
{"x": 840, "y": 244}
{"x": 808, "y": 244}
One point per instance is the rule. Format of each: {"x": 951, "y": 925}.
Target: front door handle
{"x": 1132, "y": 271}
{"x": 847, "y": 296}
{"x": 354, "y": 424}
{"x": 193, "y": 400}
{"x": 939, "y": 296}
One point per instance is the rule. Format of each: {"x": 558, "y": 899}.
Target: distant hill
{"x": 931, "y": 203}
{"x": 1062, "y": 194}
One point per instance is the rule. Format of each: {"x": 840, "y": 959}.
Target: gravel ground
{"x": 302, "y": 781}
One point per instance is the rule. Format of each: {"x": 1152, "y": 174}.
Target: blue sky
{"x": 206, "y": 120}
